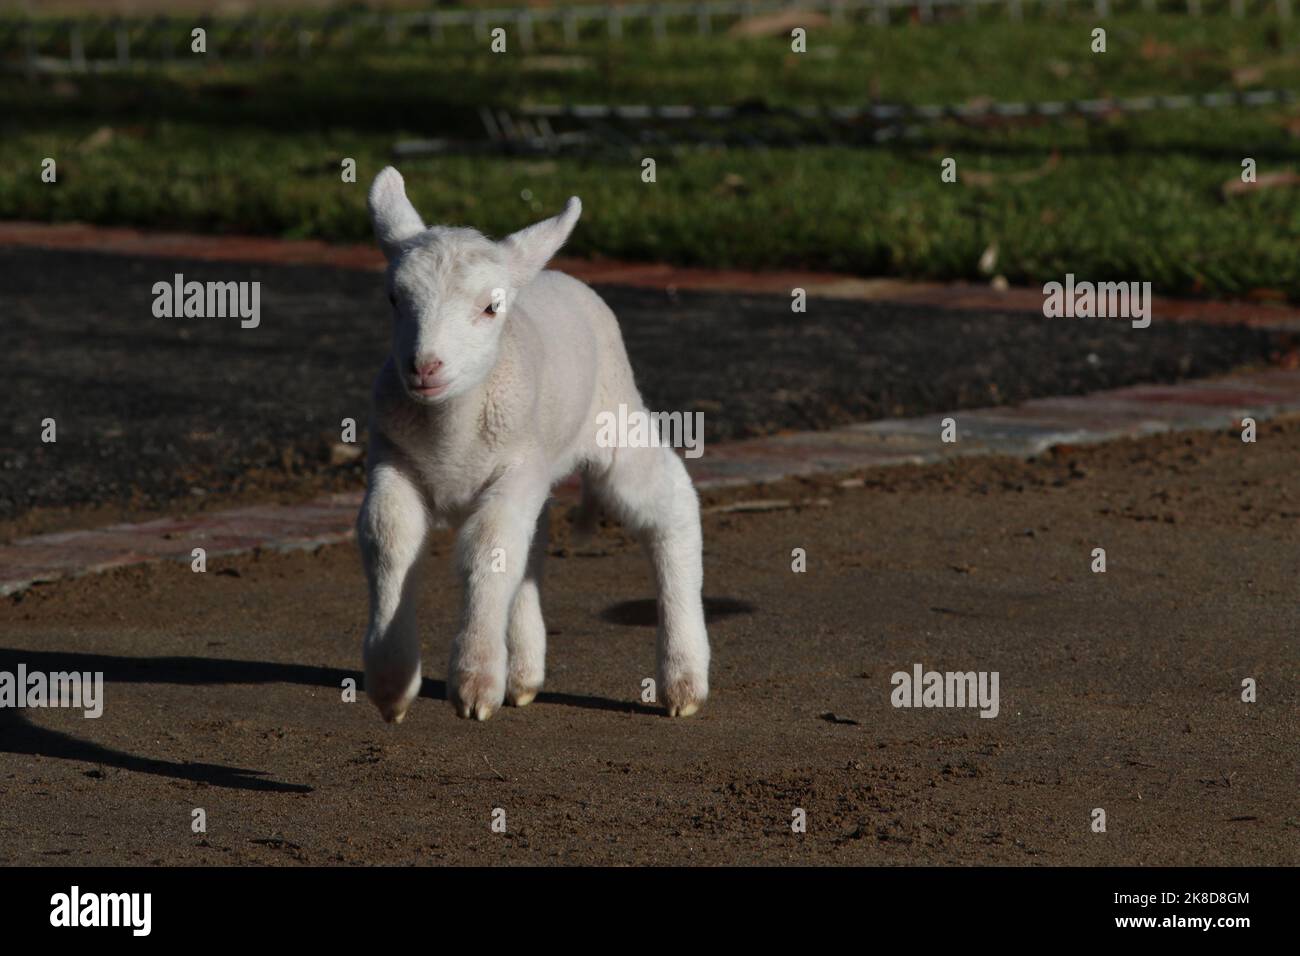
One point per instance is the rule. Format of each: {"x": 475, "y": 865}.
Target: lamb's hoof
{"x": 393, "y": 715}
{"x": 522, "y": 697}
{"x": 685, "y": 696}
{"x": 523, "y": 685}
{"x": 393, "y": 705}
{"x": 476, "y": 696}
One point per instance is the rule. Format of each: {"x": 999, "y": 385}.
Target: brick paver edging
{"x": 1021, "y": 431}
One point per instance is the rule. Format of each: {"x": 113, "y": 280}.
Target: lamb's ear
{"x": 530, "y": 249}
{"x": 392, "y": 214}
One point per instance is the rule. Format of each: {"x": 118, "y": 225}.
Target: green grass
{"x": 244, "y": 148}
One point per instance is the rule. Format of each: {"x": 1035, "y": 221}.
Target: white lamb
{"x": 491, "y": 395}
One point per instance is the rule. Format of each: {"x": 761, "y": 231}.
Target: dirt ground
{"x": 1119, "y": 691}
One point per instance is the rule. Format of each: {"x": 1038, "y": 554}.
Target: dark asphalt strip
{"x": 149, "y": 409}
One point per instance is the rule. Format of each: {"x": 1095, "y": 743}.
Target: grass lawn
{"x": 242, "y": 147}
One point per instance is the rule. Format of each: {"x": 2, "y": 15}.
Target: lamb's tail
{"x": 586, "y": 515}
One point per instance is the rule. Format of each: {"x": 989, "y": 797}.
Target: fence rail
{"x": 888, "y": 112}
{"x": 593, "y": 127}
{"x": 75, "y": 44}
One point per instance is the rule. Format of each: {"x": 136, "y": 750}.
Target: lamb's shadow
{"x": 18, "y": 735}
{"x": 645, "y": 612}
{"x": 437, "y": 690}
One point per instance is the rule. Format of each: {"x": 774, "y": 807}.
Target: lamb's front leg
{"x": 493, "y": 554}
{"x": 391, "y": 530}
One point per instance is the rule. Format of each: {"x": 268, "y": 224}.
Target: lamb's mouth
{"x": 423, "y": 392}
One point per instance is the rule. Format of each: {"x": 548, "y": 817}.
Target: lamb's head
{"x": 451, "y": 289}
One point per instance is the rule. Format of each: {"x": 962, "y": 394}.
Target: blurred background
{"x": 1122, "y": 165}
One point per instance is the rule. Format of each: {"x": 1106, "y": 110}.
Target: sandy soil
{"x": 1119, "y": 691}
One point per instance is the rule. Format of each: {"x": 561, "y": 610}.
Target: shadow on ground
{"x": 18, "y": 735}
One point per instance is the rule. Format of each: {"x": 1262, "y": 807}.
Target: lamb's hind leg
{"x": 649, "y": 490}
{"x": 391, "y": 531}
{"x": 526, "y": 634}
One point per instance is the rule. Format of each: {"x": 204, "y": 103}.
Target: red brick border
{"x": 135, "y": 242}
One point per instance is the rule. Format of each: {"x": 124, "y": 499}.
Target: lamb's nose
{"x": 426, "y": 368}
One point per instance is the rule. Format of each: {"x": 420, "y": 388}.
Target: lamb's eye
{"x": 491, "y": 309}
